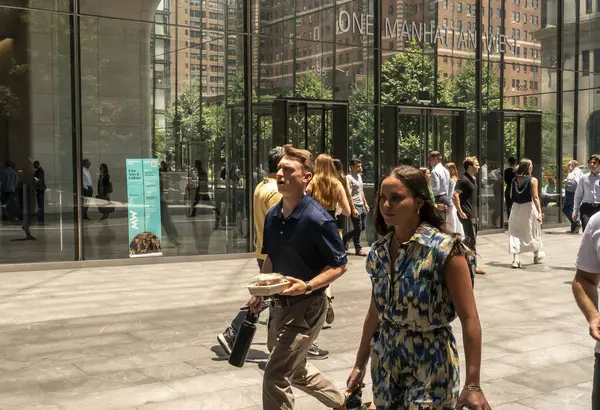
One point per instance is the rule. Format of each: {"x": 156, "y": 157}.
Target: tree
{"x": 405, "y": 78}
{"x": 362, "y": 123}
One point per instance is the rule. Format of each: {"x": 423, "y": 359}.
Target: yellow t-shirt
{"x": 266, "y": 196}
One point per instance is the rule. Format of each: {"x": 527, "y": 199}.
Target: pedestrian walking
{"x": 571, "y": 183}
{"x": 361, "y": 207}
{"x": 440, "y": 182}
{"x": 452, "y": 219}
{"x": 301, "y": 242}
{"x": 105, "y": 188}
{"x": 585, "y": 290}
{"x": 509, "y": 175}
{"x": 266, "y": 196}
{"x": 465, "y": 200}
{"x": 421, "y": 279}
{"x": 525, "y": 222}
{"x": 327, "y": 190}
{"x": 587, "y": 194}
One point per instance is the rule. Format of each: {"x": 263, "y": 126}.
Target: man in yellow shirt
{"x": 266, "y": 196}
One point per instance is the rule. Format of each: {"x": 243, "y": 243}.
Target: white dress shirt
{"x": 87, "y": 178}
{"x": 573, "y": 179}
{"x": 588, "y": 190}
{"x": 440, "y": 183}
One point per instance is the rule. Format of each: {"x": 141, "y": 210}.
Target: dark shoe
{"x": 317, "y": 354}
{"x": 361, "y": 252}
{"x": 330, "y": 313}
{"x": 226, "y": 340}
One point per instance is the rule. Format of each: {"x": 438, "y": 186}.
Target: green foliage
{"x": 410, "y": 72}
{"x": 362, "y": 124}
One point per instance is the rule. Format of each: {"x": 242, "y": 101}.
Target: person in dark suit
{"x": 40, "y": 188}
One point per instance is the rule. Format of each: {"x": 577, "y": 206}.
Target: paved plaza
{"x": 143, "y": 337}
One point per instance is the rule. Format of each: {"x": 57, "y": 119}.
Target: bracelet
{"x": 473, "y": 388}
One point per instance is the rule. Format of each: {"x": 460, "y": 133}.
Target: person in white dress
{"x": 525, "y": 222}
{"x": 452, "y": 220}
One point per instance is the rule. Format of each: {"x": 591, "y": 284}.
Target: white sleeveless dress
{"x": 452, "y": 219}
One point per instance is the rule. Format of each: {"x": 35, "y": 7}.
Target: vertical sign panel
{"x": 143, "y": 199}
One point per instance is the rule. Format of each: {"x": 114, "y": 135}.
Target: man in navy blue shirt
{"x": 302, "y": 242}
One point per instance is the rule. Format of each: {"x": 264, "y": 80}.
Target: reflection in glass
{"x": 36, "y": 137}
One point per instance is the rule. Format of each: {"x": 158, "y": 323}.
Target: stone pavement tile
{"x": 135, "y": 361}
{"x": 538, "y": 341}
{"x": 18, "y": 395}
{"x": 119, "y": 398}
{"x": 495, "y": 369}
{"x": 35, "y": 351}
{"x": 214, "y": 382}
{"x": 569, "y": 398}
{"x": 490, "y": 351}
{"x": 547, "y": 357}
{"x": 42, "y": 373}
{"x": 502, "y": 391}
{"x": 95, "y": 384}
{"x": 557, "y": 377}
{"x": 170, "y": 371}
{"x": 33, "y": 406}
{"x": 59, "y": 332}
{"x": 231, "y": 399}
{"x": 512, "y": 406}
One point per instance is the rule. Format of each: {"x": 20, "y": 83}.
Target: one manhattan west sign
{"x": 423, "y": 33}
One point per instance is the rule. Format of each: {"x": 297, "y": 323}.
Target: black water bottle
{"x": 243, "y": 340}
{"x": 354, "y": 401}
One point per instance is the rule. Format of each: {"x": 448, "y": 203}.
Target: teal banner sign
{"x": 143, "y": 193}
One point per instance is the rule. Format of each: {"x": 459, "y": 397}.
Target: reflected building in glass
{"x": 207, "y": 87}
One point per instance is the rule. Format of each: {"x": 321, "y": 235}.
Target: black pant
{"x": 7, "y": 199}
{"x": 40, "y": 204}
{"x": 470, "y": 228}
{"x": 508, "y": 200}
{"x": 567, "y": 209}
{"x": 586, "y": 211}
{"x": 243, "y": 312}
{"x": 87, "y": 193}
{"x": 596, "y": 384}
{"x": 358, "y": 225}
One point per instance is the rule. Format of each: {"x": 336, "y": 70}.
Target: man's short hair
{"x": 355, "y": 161}
{"x": 595, "y": 157}
{"x": 469, "y": 162}
{"x": 303, "y": 156}
{"x": 512, "y": 160}
{"x": 274, "y": 157}
{"x": 435, "y": 154}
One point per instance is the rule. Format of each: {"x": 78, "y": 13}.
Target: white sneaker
{"x": 537, "y": 259}
{"x": 516, "y": 264}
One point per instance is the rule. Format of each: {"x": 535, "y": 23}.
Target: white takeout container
{"x": 269, "y": 290}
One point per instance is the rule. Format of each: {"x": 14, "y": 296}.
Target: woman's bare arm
{"x": 458, "y": 280}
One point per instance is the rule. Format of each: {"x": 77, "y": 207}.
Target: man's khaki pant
{"x": 292, "y": 330}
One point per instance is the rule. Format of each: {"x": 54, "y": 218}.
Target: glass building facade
{"x": 209, "y": 86}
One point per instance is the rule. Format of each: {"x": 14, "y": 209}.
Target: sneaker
{"x": 330, "y": 313}
{"x": 317, "y": 354}
{"x": 537, "y": 259}
{"x": 516, "y": 264}
{"x": 361, "y": 252}
{"x": 226, "y": 340}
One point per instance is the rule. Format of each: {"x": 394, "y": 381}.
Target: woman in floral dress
{"x": 407, "y": 332}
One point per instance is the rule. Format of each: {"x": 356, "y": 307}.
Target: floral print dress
{"x": 414, "y": 358}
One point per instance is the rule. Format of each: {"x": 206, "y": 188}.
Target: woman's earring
{"x": 418, "y": 211}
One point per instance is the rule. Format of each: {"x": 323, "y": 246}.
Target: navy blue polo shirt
{"x": 305, "y": 242}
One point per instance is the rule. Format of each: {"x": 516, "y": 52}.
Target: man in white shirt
{"x": 585, "y": 290}
{"x": 571, "y": 182}
{"x": 440, "y": 182}
{"x": 88, "y": 186}
{"x": 587, "y": 195}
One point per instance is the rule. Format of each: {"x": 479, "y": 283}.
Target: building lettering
{"x": 425, "y": 33}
